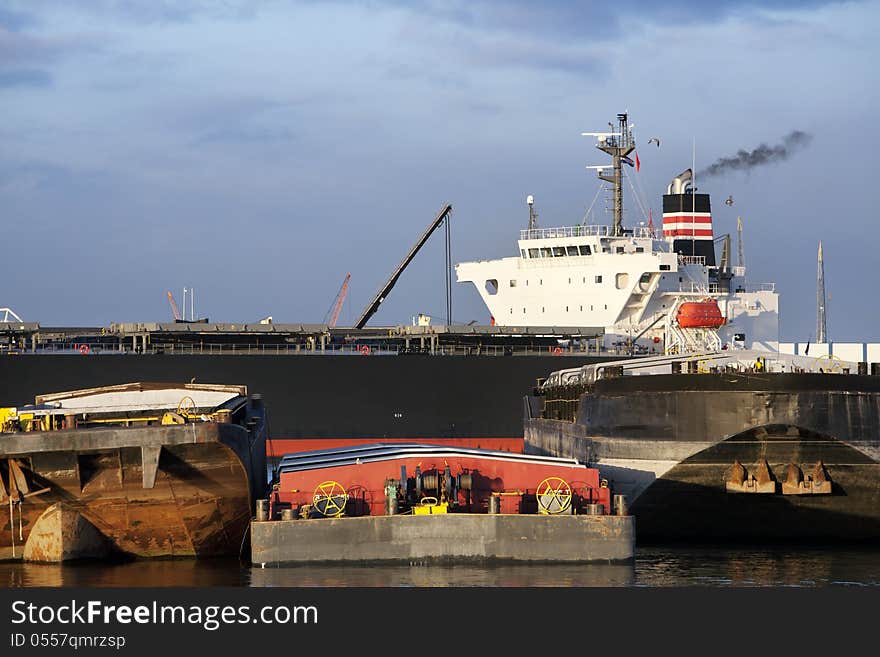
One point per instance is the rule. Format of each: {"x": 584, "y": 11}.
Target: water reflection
{"x": 652, "y": 567}
{"x": 447, "y": 575}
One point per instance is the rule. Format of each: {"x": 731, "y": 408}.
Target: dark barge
{"x": 732, "y": 446}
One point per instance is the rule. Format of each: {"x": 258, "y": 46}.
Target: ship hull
{"x": 165, "y": 491}
{"x": 672, "y": 443}
{"x": 326, "y": 396}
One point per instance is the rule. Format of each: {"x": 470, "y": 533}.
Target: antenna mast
{"x": 618, "y": 145}
{"x": 821, "y": 336}
{"x": 739, "y": 242}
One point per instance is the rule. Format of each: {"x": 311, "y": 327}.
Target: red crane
{"x": 173, "y": 306}
{"x": 340, "y": 299}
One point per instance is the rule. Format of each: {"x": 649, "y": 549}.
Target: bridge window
{"x": 558, "y": 251}
{"x": 512, "y": 283}
{"x": 546, "y": 252}
{"x": 523, "y": 251}
{"x": 572, "y": 250}
{"x": 534, "y": 253}
{"x": 598, "y": 279}
{"x": 585, "y": 249}
{"x": 492, "y": 286}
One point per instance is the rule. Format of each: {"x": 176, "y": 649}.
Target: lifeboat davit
{"x": 700, "y": 314}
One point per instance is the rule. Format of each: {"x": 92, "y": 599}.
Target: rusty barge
{"x": 140, "y": 469}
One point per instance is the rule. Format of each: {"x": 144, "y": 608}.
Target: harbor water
{"x": 705, "y": 566}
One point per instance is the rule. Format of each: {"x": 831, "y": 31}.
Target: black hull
{"x": 324, "y": 396}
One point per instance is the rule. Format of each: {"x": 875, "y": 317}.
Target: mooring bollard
{"x": 262, "y": 510}
{"x": 594, "y": 509}
{"x": 391, "y": 505}
{"x": 620, "y": 505}
{"x": 287, "y": 514}
{"x": 494, "y": 504}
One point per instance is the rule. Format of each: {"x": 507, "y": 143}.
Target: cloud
{"x": 14, "y": 21}
{"x": 24, "y": 78}
{"x": 581, "y": 19}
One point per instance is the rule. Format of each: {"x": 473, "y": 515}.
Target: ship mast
{"x": 618, "y": 145}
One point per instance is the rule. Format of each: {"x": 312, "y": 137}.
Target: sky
{"x": 257, "y": 152}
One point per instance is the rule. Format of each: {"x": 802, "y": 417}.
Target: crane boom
{"x": 340, "y": 299}
{"x": 173, "y": 306}
{"x": 371, "y": 309}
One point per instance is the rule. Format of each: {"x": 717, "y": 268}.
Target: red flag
{"x": 638, "y": 162}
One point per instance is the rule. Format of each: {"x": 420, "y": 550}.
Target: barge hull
{"x": 445, "y": 538}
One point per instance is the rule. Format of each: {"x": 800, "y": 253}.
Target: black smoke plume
{"x": 763, "y": 154}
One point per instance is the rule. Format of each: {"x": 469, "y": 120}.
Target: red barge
{"x": 416, "y": 502}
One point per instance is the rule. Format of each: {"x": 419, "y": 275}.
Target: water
{"x": 816, "y": 566}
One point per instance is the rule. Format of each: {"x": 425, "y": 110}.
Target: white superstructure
{"x": 633, "y": 282}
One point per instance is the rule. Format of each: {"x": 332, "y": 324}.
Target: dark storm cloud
{"x": 24, "y": 78}
{"x": 745, "y": 160}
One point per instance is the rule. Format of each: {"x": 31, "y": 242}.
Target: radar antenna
{"x": 533, "y": 216}
{"x": 618, "y": 145}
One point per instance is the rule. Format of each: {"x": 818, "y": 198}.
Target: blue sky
{"x": 259, "y": 151}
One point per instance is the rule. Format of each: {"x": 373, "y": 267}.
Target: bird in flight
{"x": 655, "y": 140}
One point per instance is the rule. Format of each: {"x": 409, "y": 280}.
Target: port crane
{"x": 173, "y": 306}
{"x": 340, "y": 299}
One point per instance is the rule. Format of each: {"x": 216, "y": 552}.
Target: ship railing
{"x": 588, "y": 230}
{"x": 375, "y": 348}
{"x": 692, "y": 260}
{"x": 698, "y": 288}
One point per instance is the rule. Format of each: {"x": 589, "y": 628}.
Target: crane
{"x": 173, "y": 306}
{"x": 371, "y": 309}
{"x": 340, "y": 299}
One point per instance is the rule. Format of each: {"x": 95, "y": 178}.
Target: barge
{"x": 139, "y": 469}
{"x": 724, "y": 446}
{"x": 422, "y": 503}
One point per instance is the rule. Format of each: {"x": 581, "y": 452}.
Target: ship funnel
{"x": 687, "y": 219}
{"x": 681, "y": 182}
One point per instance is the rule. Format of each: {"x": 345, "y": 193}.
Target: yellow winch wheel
{"x": 330, "y": 499}
{"x": 553, "y": 495}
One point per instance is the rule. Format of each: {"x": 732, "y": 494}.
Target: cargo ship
{"x": 133, "y": 470}
{"x": 571, "y": 296}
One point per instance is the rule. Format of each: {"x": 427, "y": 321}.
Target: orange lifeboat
{"x": 700, "y": 314}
